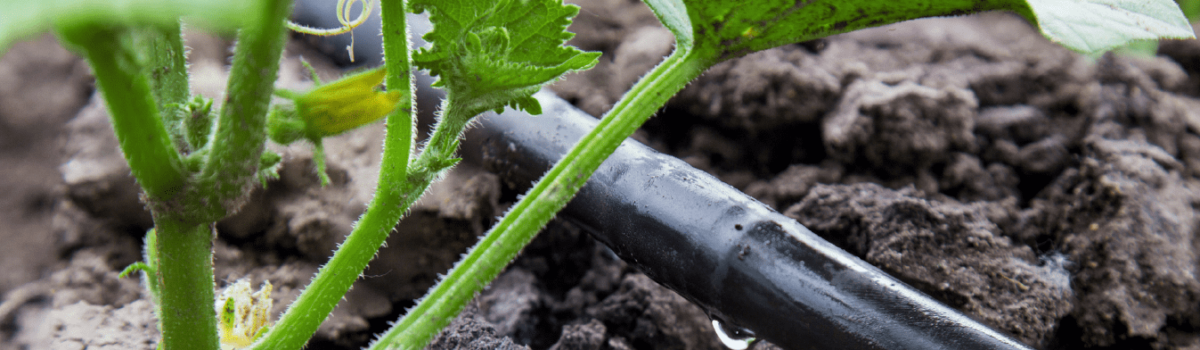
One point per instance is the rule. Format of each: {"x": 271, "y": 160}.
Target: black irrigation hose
{"x": 746, "y": 264}
{"x": 743, "y": 262}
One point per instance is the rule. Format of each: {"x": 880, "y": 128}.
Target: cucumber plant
{"x": 196, "y": 162}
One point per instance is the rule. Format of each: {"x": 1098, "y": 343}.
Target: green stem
{"x": 398, "y": 62}
{"x": 229, "y": 173}
{"x": 185, "y": 279}
{"x": 135, "y": 119}
{"x": 167, "y": 67}
{"x": 487, "y": 258}
{"x": 396, "y": 191}
{"x": 395, "y": 194}
{"x": 439, "y": 151}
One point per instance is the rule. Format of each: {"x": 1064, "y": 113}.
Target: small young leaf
{"x": 198, "y": 122}
{"x": 497, "y": 54}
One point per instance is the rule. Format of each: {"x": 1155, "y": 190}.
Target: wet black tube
{"x": 743, "y": 262}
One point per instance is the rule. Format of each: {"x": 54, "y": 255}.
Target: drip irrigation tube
{"x": 746, "y": 264}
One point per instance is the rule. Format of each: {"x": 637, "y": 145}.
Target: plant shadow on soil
{"x": 1047, "y": 194}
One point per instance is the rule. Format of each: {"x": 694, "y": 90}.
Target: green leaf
{"x": 1191, "y": 9}
{"x": 496, "y": 54}
{"x": 674, "y": 15}
{"x": 720, "y": 29}
{"x": 20, "y": 19}
{"x": 1100, "y": 25}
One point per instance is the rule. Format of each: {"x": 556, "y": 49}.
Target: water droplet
{"x": 734, "y": 337}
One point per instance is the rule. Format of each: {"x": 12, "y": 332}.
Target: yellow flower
{"x": 345, "y": 104}
{"x": 330, "y": 109}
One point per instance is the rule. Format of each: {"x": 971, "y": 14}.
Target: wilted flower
{"x": 242, "y": 316}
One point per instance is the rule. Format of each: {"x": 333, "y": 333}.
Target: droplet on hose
{"x": 734, "y": 337}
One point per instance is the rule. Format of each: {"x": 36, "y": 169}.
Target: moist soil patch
{"x": 1047, "y": 194}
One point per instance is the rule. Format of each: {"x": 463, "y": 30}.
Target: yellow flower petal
{"x": 346, "y": 104}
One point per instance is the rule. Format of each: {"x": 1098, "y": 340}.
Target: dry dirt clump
{"x": 950, "y": 250}
{"x": 42, "y": 85}
{"x": 580, "y": 298}
{"x": 1127, "y": 218}
{"x": 87, "y": 326}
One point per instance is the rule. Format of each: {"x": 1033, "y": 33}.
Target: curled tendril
{"x": 343, "y": 16}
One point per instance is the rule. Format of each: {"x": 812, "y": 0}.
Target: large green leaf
{"x": 1100, "y": 25}
{"x": 722, "y": 29}
{"x": 20, "y": 19}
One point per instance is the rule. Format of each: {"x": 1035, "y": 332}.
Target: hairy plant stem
{"x": 398, "y": 62}
{"x": 185, "y": 279}
{"x": 166, "y": 66}
{"x": 135, "y": 119}
{"x": 394, "y": 196}
{"x": 394, "y": 193}
{"x": 184, "y": 251}
{"x": 237, "y": 144}
{"x": 184, "y": 224}
{"x": 518, "y": 227}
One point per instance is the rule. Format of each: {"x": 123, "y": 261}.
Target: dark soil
{"x": 1050, "y": 195}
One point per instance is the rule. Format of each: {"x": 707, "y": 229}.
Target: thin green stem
{"x": 185, "y": 279}
{"x": 167, "y": 67}
{"x": 144, "y": 140}
{"x": 398, "y": 62}
{"x": 395, "y": 192}
{"x": 229, "y": 173}
{"x": 521, "y": 224}
{"x": 439, "y": 151}
{"x": 394, "y": 196}
{"x": 150, "y": 257}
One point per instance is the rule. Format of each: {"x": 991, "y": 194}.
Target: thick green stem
{"x": 229, "y": 173}
{"x": 518, "y": 227}
{"x": 144, "y": 141}
{"x": 185, "y": 279}
{"x": 395, "y": 192}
